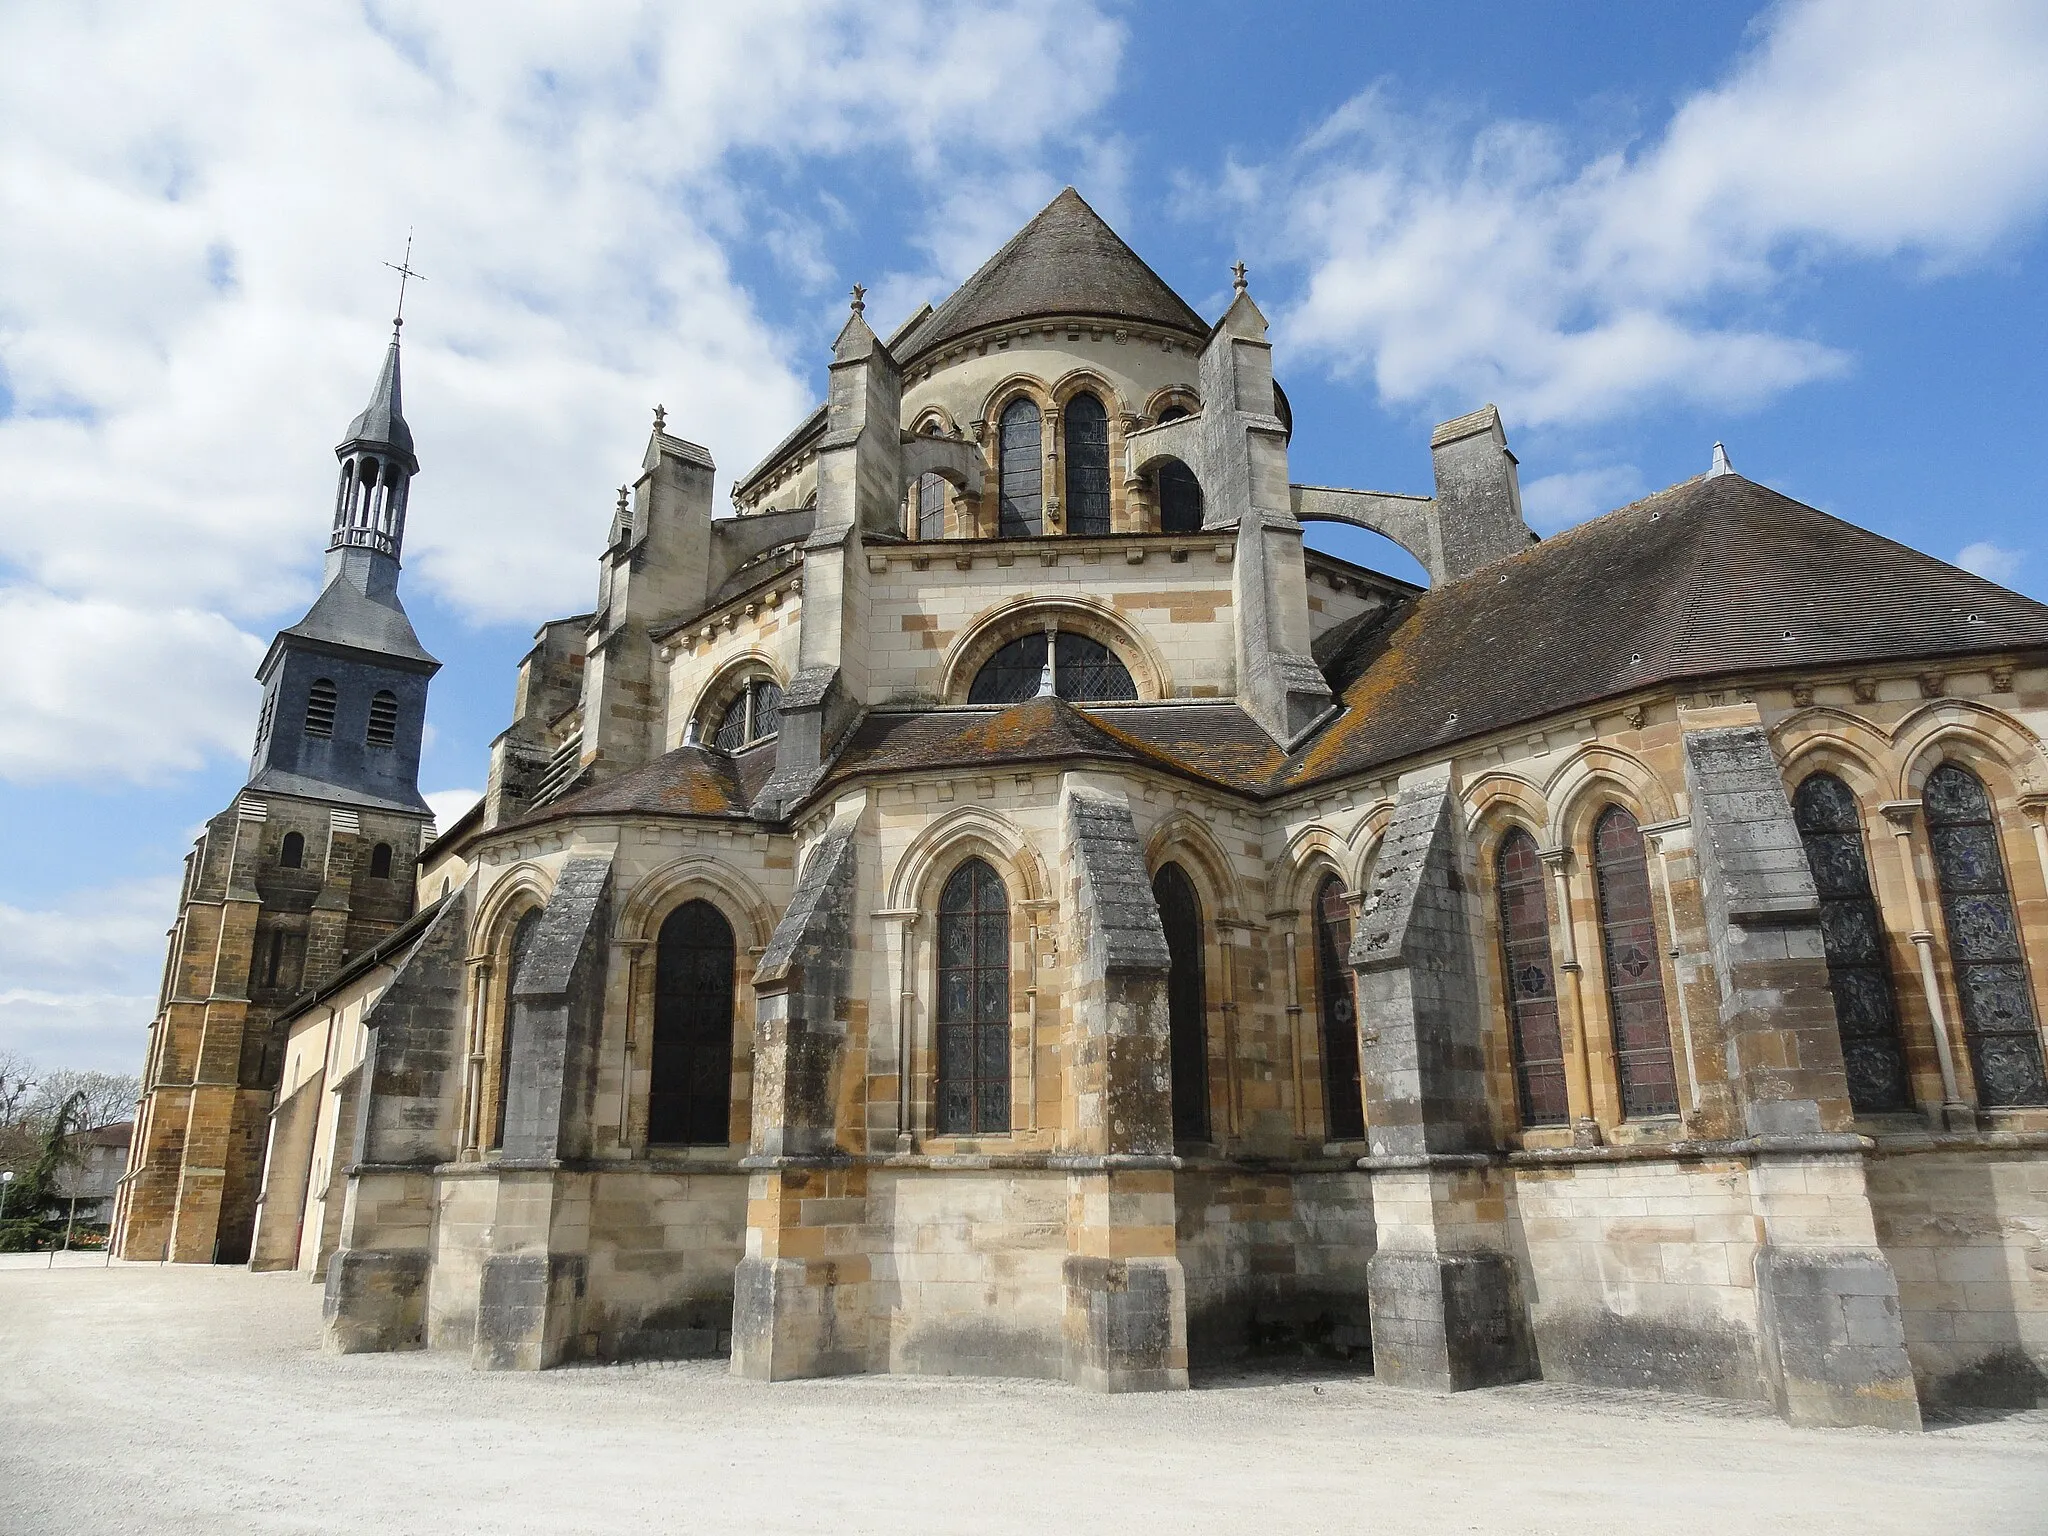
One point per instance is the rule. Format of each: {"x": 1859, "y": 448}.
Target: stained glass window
{"x": 1022, "y": 471}
{"x": 1984, "y": 940}
{"x": 931, "y": 507}
{"x": 1635, "y": 976}
{"x": 1343, "y": 1089}
{"x": 1530, "y": 983}
{"x": 1866, "y": 1008}
{"x": 1087, "y": 425}
{"x": 974, "y": 1003}
{"x": 1085, "y": 671}
{"x": 1180, "y": 913}
{"x": 754, "y": 714}
{"x": 689, "y": 1097}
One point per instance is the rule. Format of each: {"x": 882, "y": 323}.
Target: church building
{"x": 997, "y": 902}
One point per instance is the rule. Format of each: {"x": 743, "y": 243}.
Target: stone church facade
{"x": 1001, "y": 904}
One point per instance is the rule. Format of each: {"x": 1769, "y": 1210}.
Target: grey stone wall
{"x": 557, "y": 1013}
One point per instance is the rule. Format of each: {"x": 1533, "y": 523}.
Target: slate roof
{"x": 688, "y": 781}
{"x": 383, "y": 420}
{"x": 1066, "y": 261}
{"x": 1715, "y": 576}
{"x": 342, "y": 615}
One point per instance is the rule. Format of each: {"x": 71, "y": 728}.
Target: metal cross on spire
{"x": 403, "y": 267}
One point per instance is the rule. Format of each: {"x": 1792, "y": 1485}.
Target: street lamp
{"x": 6, "y": 1178}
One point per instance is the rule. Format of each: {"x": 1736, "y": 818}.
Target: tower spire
{"x": 377, "y": 464}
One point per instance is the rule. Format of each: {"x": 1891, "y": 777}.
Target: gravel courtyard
{"x": 185, "y": 1399}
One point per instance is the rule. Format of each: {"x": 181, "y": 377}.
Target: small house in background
{"x": 94, "y": 1163}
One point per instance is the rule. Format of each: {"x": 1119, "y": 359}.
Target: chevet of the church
{"x": 995, "y": 902}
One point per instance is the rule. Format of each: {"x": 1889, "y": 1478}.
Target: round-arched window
{"x": 1083, "y": 671}
{"x": 754, "y": 714}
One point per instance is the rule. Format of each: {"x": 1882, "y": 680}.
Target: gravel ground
{"x": 190, "y": 1399}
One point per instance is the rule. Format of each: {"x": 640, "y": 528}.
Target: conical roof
{"x": 1714, "y": 577}
{"x": 343, "y": 615}
{"x": 382, "y": 421}
{"x": 1066, "y": 261}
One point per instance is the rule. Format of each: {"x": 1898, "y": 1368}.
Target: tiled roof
{"x": 1718, "y": 575}
{"x": 1066, "y": 261}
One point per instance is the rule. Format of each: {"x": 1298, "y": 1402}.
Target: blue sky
{"x": 1812, "y": 231}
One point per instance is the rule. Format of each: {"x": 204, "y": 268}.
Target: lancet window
{"x": 1984, "y": 940}
{"x": 1635, "y": 976}
{"x": 1343, "y": 1089}
{"x": 1180, "y": 913}
{"x": 522, "y": 940}
{"x": 689, "y": 1100}
{"x": 1087, "y": 446}
{"x": 974, "y": 1003}
{"x": 1530, "y": 982}
{"x": 1021, "y": 468}
{"x": 1866, "y": 1007}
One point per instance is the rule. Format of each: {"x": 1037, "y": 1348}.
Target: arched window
{"x": 383, "y": 727}
{"x": 689, "y": 1098}
{"x": 522, "y": 939}
{"x": 1866, "y": 1010}
{"x": 754, "y": 715}
{"x": 1087, "y": 425}
{"x": 380, "y": 862}
{"x": 1635, "y": 977}
{"x": 1084, "y": 671}
{"x": 1984, "y": 940}
{"x": 1180, "y": 913}
{"x": 931, "y": 506}
{"x": 974, "y": 1003}
{"x": 273, "y": 968}
{"x": 1180, "y": 498}
{"x": 1529, "y": 982}
{"x": 321, "y": 700}
{"x": 1022, "y": 470}
{"x": 1343, "y": 1091}
{"x": 292, "y": 854}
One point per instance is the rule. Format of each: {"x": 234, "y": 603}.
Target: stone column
{"x": 1953, "y": 1114}
{"x": 801, "y": 1295}
{"x": 1830, "y": 1331}
{"x": 1447, "y": 1309}
{"x": 1126, "y": 1295}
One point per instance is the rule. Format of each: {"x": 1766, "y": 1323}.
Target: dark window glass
{"x": 689, "y": 1100}
{"x": 1530, "y": 982}
{"x": 383, "y": 729}
{"x": 522, "y": 939}
{"x": 974, "y": 1003}
{"x": 1180, "y": 498}
{"x": 275, "y": 965}
{"x": 321, "y": 699}
{"x": 1635, "y": 977}
{"x": 1180, "y": 913}
{"x": 1984, "y": 940}
{"x": 380, "y": 862}
{"x": 1085, "y": 671}
{"x": 1022, "y": 472}
{"x": 1343, "y": 1092}
{"x": 767, "y": 710}
{"x": 754, "y": 715}
{"x": 732, "y": 726}
{"x": 293, "y": 854}
{"x": 1087, "y": 425}
{"x": 1859, "y": 974}
{"x": 931, "y": 507}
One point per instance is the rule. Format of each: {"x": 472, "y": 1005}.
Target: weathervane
{"x": 403, "y": 267}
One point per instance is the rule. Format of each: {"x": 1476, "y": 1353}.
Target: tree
{"x": 105, "y": 1098}
{"x": 34, "y": 1208}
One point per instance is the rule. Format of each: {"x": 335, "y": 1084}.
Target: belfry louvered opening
{"x": 321, "y": 701}
{"x": 383, "y": 729}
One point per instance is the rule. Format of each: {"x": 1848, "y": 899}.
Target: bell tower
{"x": 311, "y": 864}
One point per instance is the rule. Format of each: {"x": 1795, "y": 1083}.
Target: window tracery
{"x": 1852, "y": 931}
{"x": 1635, "y": 976}
{"x": 1984, "y": 940}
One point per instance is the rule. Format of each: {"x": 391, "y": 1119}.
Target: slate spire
{"x": 377, "y": 466}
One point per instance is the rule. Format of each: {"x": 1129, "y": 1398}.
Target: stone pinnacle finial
{"x": 1721, "y": 464}
{"x": 661, "y": 418}
{"x": 860, "y": 299}
{"x": 1045, "y": 686}
{"x": 622, "y": 501}
{"x": 1237, "y": 277}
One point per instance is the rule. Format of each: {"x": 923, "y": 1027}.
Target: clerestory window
{"x": 1022, "y": 472}
{"x": 1084, "y": 671}
{"x": 755, "y": 714}
{"x": 1087, "y": 426}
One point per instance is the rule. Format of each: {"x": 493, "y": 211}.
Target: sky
{"x": 1812, "y": 231}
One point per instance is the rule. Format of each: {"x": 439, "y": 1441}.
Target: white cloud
{"x": 1991, "y": 562}
{"x": 96, "y": 687}
{"x": 1452, "y": 265}
{"x": 1558, "y": 501}
{"x": 194, "y": 204}
{"x": 81, "y": 977}
{"x": 451, "y": 805}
